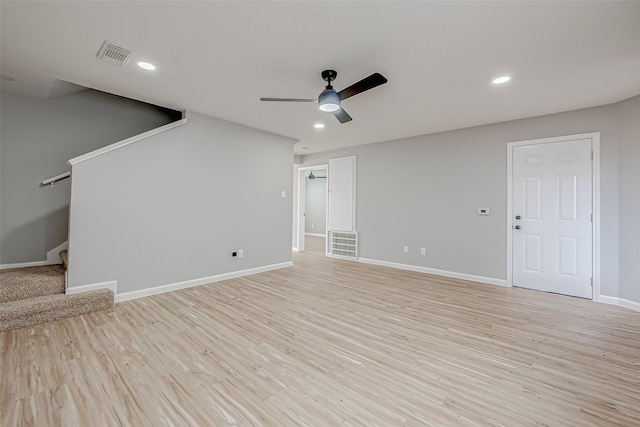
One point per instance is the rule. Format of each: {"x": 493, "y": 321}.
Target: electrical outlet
{"x": 423, "y": 251}
{"x": 240, "y": 253}
{"x": 234, "y": 254}
{"x": 405, "y": 249}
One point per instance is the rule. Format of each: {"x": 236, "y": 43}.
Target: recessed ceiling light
{"x": 500, "y": 80}
{"x": 319, "y": 125}
{"x": 146, "y": 66}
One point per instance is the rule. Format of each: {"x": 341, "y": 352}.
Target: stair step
{"x": 31, "y": 282}
{"x": 44, "y": 309}
{"x": 63, "y": 256}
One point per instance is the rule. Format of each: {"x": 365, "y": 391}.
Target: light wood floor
{"x": 315, "y": 244}
{"x": 328, "y": 343}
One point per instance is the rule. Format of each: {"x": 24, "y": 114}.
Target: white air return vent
{"x": 343, "y": 244}
{"x": 114, "y": 54}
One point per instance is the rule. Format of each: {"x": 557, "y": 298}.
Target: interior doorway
{"x": 312, "y": 208}
{"x": 553, "y": 215}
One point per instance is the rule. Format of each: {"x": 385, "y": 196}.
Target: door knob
{"x": 518, "y": 217}
{"x": 517, "y": 227}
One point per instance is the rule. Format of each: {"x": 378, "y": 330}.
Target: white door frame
{"x": 595, "y": 186}
{"x": 302, "y": 171}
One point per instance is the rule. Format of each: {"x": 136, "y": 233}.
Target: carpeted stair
{"x": 63, "y": 257}
{"x": 35, "y": 295}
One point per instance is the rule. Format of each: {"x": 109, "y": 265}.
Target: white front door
{"x": 552, "y": 215}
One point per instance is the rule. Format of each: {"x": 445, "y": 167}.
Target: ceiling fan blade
{"x": 375, "y": 79}
{"x": 342, "y": 116}
{"x": 289, "y": 99}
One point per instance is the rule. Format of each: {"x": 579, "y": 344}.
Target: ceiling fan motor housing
{"x": 329, "y": 76}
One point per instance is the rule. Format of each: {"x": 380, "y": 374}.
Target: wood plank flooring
{"x": 315, "y": 244}
{"x": 328, "y": 343}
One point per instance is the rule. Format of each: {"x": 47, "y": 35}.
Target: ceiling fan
{"x": 312, "y": 176}
{"x": 329, "y": 100}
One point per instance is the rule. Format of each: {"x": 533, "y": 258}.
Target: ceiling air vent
{"x": 114, "y": 54}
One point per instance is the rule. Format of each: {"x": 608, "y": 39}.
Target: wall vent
{"x": 114, "y": 54}
{"x": 343, "y": 244}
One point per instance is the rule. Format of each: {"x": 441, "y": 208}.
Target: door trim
{"x": 595, "y": 201}
{"x": 301, "y": 203}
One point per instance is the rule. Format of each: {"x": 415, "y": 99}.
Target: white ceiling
{"x": 219, "y": 58}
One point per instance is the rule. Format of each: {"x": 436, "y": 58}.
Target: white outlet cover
{"x": 405, "y": 249}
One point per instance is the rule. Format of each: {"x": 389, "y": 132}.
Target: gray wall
{"x": 630, "y": 199}
{"x": 37, "y": 138}
{"x": 315, "y": 205}
{"x": 424, "y": 191}
{"x": 172, "y": 207}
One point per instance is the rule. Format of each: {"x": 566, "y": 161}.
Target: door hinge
{"x": 591, "y": 154}
{"x": 591, "y": 281}
{"x": 592, "y": 218}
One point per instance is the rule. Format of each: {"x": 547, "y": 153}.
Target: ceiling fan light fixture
{"x": 329, "y": 100}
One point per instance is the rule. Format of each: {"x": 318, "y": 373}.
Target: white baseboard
{"x": 607, "y": 299}
{"x": 454, "y": 275}
{"x": 112, "y": 284}
{"x": 315, "y": 234}
{"x": 53, "y": 256}
{"x": 52, "y": 259}
{"x": 23, "y": 264}
{"x": 631, "y": 305}
{"x": 197, "y": 282}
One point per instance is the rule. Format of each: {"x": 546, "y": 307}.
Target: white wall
{"x": 172, "y": 207}
{"x": 424, "y": 192}
{"x": 316, "y": 205}
{"x": 37, "y": 137}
